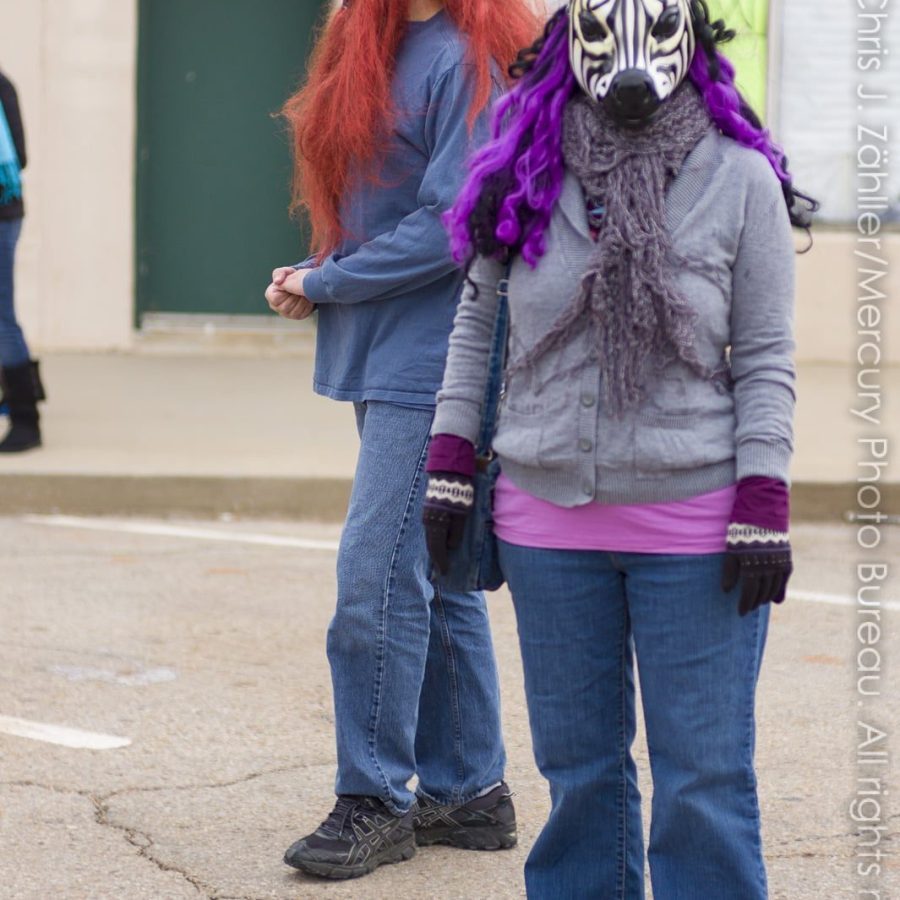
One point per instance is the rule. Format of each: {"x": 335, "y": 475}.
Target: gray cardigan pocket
{"x": 518, "y": 436}
{"x": 663, "y": 442}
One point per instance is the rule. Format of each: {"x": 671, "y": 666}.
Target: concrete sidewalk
{"x": 209, "y": 435}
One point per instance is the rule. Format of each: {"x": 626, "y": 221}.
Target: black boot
{"x": 21, "y": 390}
{"x": 39, "y": 393}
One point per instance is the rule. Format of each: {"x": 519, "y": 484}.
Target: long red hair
{"x": 343, "y": 113}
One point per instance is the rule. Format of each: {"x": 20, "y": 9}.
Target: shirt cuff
{"x": 458, "y": 417}
{"x": 769, "y": 459}
{"x": 314, "y": 287}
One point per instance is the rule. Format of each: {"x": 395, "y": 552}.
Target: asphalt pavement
{"x": 194, "y": 652}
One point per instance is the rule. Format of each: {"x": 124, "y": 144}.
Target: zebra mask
{"x": 630, "y": 55}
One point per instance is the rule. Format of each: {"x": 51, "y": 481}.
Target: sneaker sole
{"x": 400, "y": 853}
{"x": 469, "y": 838}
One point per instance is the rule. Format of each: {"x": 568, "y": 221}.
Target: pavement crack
{"x": 140, "y": 840}
{"x": 53, "y": 788}
{"x": 120, "y": 792}
{"x": 230, "y": 897}
{"x": 243, "y": 779}
{"x": 817, "y": 838}
{"x": 143, "y": 843}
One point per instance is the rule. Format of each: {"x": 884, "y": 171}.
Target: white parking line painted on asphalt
{"x": 198, "y": 534}
{"x": 273, "y": 540}
{"x": 61, "y": 735}
{"x": 835, "y": 599}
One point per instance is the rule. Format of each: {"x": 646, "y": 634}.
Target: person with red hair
{"x": 395, "y": 101}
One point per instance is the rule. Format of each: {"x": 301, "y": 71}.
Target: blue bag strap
{"x": 496, "y": 365}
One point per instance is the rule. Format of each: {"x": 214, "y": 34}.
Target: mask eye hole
{"x": 667, "y": 24}
{"x": 592, "y": 29}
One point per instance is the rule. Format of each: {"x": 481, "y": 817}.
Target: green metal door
{"x": 213, "y": 164}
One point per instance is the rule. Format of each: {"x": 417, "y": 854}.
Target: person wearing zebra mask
{"x": 642, "y": 216}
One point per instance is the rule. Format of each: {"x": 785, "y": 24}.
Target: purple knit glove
{"x": 449, "y": 497}
{"x": 758, "y": 553}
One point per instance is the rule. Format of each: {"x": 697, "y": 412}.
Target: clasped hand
{"x": 285, "y": 294}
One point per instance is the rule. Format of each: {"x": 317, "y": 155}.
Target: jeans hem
{"x": 398, "y": 811}
{"x": 463, "y": 799}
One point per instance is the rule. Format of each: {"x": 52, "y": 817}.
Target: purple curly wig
{"x": 730, "y": 111}
{"x": 516, "y": 179}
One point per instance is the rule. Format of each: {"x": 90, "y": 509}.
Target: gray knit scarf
{"x": 638, "y": 319}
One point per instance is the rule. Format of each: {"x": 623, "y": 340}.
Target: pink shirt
{"x": 693, "y": 526}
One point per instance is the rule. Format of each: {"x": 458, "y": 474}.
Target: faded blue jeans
{"x": 583, "y": 617}
{"x": 413, "y": 669}
{"x": 13, "y": 349}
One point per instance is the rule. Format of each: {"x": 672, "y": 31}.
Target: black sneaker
{"x": 485, "y": 823}
{"x": 360, "y": 835}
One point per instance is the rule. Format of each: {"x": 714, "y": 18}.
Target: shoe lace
{"x": 339, "y": 816}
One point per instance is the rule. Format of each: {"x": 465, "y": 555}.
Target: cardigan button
{"x": 587, "y": 489}
{"x": 586, "y": 445}
{"x": 588, "y": 400}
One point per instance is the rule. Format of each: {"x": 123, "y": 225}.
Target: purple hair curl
{"x": 516, "y": 179}
{"x": 729, "y": 110}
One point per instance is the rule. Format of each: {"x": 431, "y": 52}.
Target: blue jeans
{"x": 413, "y": 669}
{"x": 583, "y": 617}
{"x": 13, "y": 349}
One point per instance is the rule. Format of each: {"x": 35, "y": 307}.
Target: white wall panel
{"x": 818, "y": 108}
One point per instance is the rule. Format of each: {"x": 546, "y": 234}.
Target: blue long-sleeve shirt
{"x": 388, "y": 295}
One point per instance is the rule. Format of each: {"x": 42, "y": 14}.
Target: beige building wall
{"x": 74, "y": 63}
{"x": 827, "y": 290}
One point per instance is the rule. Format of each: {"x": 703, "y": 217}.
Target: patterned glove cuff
{"x": 450, "y": 490}
{"x": 746, "y": 536}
